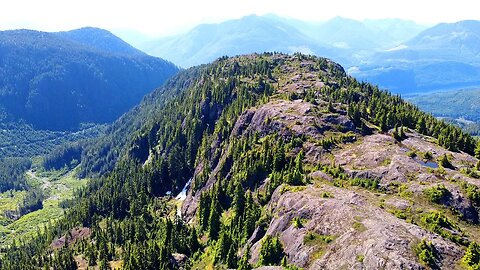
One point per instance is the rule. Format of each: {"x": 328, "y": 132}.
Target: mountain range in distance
{"x": 57, "y": 81}
{"x": 338, "y": 37}
{"x": 396, "y": 54}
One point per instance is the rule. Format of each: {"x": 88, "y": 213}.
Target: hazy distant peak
{"x": 100, "y": 39}
{"x": 461, "y": 36}
{"x": 445, "y": 28}
{"x": 340, "y": 19}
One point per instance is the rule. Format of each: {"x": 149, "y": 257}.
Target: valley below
{"x": 57, "y": 187}
{"x": 460, "y": 107}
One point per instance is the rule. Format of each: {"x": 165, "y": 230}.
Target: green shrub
{"x": 297, "y": 222}
{"x": 313, "y": 239}
{"x": 472, "y": 192}
{"x": 401, "y": 214}
{"x": 326, "y": 195}
{"x": 372, "y": 184}
{"x": 438, "y": 223}
{"x": 412, "y": 154}
{"x": 427, "y": 155}
{"x": 470, "y": 172}
{"x": 437, "y": 194}
{"x": 472, "y": 256}
{"x": 426, "y": 253}
{"x": 444, "y": 162}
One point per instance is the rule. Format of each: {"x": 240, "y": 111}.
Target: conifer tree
{"x": 279, "y": 157}
{"x": 477, "y": 150}
{"x": 232, "y": 257}
{"x": 238, "y": 202}
{"x": 243, "y": 263}
{"x": 330, "y": 107}
{"x": 444, "y": 162}
{"x": 204, "y": 210}
{"x": 193, "y": 244}
{"x": 421, "y": 126}
{"x": 214, "y": 217}
{"x": 271, "y": 252}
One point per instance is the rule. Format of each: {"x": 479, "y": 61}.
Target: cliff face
{"x": 370, "y": 196}
{"x": 371, "y": 229}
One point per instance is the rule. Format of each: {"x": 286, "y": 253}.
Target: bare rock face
{"x": 339, "y": 225}
{"x": 284, "y": 117}
{"x": 75, "y": 234}
{"x": 289, "y": 118}
{"x": 179, "y": 260}
{"x": 378, "y": 156}
{"x": 269, "y": 268}
{"x": 363, "y": 235}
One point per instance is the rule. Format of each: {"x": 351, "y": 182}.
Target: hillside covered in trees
{"x": 277, "y": 160}
{"x": 55, "y": 81}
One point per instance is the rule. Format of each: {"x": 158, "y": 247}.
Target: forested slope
{"x": 56, "y": 81}
{"x": 292, "y": 162}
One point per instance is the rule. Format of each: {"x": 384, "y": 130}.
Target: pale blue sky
{"x": 158, "y": 18}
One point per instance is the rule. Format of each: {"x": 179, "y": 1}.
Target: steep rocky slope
{"x": 371, "y": 227}
{"x": 285, "y": 160}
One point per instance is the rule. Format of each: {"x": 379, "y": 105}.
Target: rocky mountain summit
{"x": 369, "y": 200}
{"x": 278, "y": 161}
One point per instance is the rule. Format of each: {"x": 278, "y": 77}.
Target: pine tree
{"x": 238, "y": 202}
{"x": 153, "y": 252}
{"x": 214, "y": 217}
{"x": 204, "y": 210}
{"x": 365, "y": 130}
{"x": 103, "y": 265}
{"x": 421, "y": 126}
{"x": 402, "y": 133}
{"x": 271, "y": 252}
{"x": 444, "y": 162}
{"x": 243, "y": 264}
{"x": 232, "y": 257}
{"x": 193, "y": 244}
{"x": 168, "y": 235}
{"x": 477, "y": 150}
{"x": 299, "y": 162}
{"x": 223, "y": 245}
{"x": 103, "y": 255}
{"x": 90, "y": 253}
{"x": 250, "y": 215}
{"x": 279, "y": 157}
{"x": 330, "y": 107}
